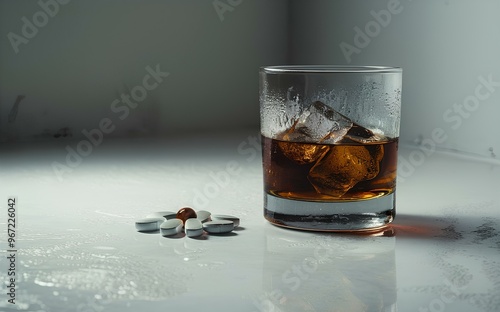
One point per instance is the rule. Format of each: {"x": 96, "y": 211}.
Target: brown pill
{"x": 186, "y": 213}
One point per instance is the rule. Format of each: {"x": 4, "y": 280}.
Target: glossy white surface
{"x": 79, "y": 249}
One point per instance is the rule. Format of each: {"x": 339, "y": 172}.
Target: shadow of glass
{"x": 446, "y": 228}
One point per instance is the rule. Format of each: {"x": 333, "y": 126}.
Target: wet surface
{"x": 78, "y": 249}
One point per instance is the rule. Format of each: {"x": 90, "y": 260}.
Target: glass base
{"x": 369, "y": 215}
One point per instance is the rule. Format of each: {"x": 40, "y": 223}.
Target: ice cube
{"x": 361, "y": 134}
{"x": 344, "y": 166}
{"x": 302, "y": 153}
{"x": 319, "y": 123}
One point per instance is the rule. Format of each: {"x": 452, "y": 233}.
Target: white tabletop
{"x": 78, "y": 250}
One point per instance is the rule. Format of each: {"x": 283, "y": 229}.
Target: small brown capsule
{"x": 186, "y": 213}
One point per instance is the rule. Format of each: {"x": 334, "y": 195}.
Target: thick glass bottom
{"x": 343, "y": 216}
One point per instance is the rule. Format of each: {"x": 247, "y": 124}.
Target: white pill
{"x": 165, "y": 214}
{"x": 235, "y": 220}
{"x": 149, "y": 224}
{"x": 218, "y": 227}
{"x": 171, "y": 227}
{"x": 203, "y": 215}
{"x": 193, "y": 227}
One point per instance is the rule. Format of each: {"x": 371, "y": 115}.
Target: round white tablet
{"x": 203, "y": 215}
{"x": 193, "y": 227}
{"x": 149, "y": 224}
{"x": 234, "y": 219}
{"x": 218, "y": 227}
{"x": 165, "y": 214}
{"x": 171, "y": 227}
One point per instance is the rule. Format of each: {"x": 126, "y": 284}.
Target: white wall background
{"x": 444, "y": 47}
{"x": 91, "y": 51}
{"x": 77, "y": 64}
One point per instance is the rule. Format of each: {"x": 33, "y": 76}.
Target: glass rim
{"x": 306, "y": 69}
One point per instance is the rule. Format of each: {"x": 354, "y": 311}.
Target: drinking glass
{"x": 329, "y": 145}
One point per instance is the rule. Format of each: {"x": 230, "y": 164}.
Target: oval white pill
{"x": 203, "y": 215}
{"x": 218, "y": 227}
{"x": 149, "y": 224}
{"x": 234, "y": 219}
{"x": 171, "y": 227}
{"x": 165, "y": 214}
{"x": 193, "y": 227}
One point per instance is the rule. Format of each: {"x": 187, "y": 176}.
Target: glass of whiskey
{"x": 329, "y": 145}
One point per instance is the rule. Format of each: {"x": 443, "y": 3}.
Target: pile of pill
{"x": 188, "y": 220}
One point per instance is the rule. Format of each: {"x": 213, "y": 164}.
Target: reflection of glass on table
{"x": 320, "y": 274}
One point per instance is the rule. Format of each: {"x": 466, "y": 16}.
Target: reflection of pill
{"x": 171, "y": 227}
{"x": 219, "y": 226}
{"x": 203, "y": 215}
{"x": 149, "y": 224}
{"x": 235, "y": 220}
{"x": 193, "y": 227}
{"x": 165, "y": 214}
